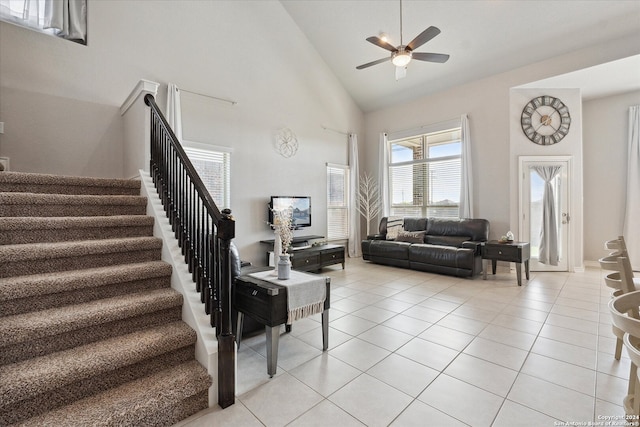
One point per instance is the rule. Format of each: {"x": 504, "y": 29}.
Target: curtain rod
{"x": 334, "y": 130}
{"x": 210, "y": 96}
{"x": 431, "y": 125}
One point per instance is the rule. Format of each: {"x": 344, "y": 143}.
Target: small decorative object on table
{"x": 284, "y": 267}
{"x": 507, "y": 238}
{"x": 283, "y": 219}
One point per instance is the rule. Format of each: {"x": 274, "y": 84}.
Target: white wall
{"x": 59, "y": 135}
{"x": 606, "y": 136}
{"x": 570, "y": 145}
{"x": 60, "y": 100}
{"x": 486, "y": 101}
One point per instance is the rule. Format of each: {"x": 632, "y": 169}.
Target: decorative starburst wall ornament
{"x": 286, "y": 143}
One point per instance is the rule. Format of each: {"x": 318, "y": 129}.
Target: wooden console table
{"x": 517, "y": 252}
{"x": 266, "y": 302}
{"x": 311, "y": 258}
{"x": 316, "y": 257}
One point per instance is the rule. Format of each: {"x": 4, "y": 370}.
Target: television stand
{"x": 297, "y": 248}
{"x": 297, "y": 241}
{"x": 316, "y": 257}
{"x": 306, "y": 257}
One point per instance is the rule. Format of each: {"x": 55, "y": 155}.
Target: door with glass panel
{"x": 544, "y": 211}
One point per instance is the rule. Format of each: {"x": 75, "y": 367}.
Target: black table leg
{"x": 325, "y": 330}
{"x": 273, "y": 335}
{"x": 239, "y": 328}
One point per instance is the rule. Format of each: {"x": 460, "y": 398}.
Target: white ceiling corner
{"x": 483, "y": 37}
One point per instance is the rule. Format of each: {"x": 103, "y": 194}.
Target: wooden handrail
{"x": 204, "y": 234}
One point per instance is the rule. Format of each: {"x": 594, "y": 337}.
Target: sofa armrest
{"x": 475, "y": 245}
{"x": 377, "y": 237}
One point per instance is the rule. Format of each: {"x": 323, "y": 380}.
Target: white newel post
{"x": 136, "y": 116}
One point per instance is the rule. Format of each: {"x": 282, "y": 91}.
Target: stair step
{"x": 48, "y": 205}
{"x": 42, "y": 332}
{"x": 91, "y": 330}
{"x": 43, "y": 183}
{"x": 21, "y": 230}
{"x": 19, "y": 260}
{"x": 44, "y": 383}
{"x": 35, "y": 292}
{"x": 148, "y": 401}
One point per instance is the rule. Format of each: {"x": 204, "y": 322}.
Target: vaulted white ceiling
{"x": 483, "y": 37}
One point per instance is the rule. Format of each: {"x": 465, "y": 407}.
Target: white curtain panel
{"x": 354, "y": 185}
{"x": 383, "y": 173}
{"x": 24, "y": 12}
{"x": 549, "y": 253}
{"x": 67, "y": 17}
{"x": 631, "y": 230}
{"x": 174, "y": 110}
{"x": 466, "y": 187}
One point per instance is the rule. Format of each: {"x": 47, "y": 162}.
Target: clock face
{"x": 545, "y": 120}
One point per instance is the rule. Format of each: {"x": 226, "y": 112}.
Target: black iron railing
{"x": 204, "y": 234}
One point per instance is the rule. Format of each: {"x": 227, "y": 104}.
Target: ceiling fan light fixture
{"x": 401, "y": 58}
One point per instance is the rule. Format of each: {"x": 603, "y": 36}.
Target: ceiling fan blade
{"x": 369, "y": 64}
{"x": 401, "y": 73}
{"x": 430, "y": 57}
{"x": 423, "y": 37}
{"x": 383, "y": 44}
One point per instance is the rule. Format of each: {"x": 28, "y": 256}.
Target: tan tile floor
{"x": 417, "y": 349}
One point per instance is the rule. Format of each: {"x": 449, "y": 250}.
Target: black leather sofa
{"x": 437, "y": 245}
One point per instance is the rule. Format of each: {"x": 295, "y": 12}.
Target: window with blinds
{"x": 214, "y": 168}
{"x": 337, "y": 202}
{"x": 425, "y": 174}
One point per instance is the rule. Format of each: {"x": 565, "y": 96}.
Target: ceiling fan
{"x": 403, "y": 54}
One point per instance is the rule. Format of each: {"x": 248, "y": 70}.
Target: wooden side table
{"x": 266, "y": 302}
{"x": 517, "y": 252}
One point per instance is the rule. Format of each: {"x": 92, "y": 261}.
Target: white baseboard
{"x": 192, "y": 309}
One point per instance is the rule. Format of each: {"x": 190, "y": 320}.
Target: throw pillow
{"x": 394, "y": 225}
{"x": 411, "y": 236}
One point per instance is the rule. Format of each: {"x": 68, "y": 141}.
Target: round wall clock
{"x": 545, "y": 120}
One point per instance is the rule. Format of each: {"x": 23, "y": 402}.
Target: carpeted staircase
{"x": 90, "y": 329}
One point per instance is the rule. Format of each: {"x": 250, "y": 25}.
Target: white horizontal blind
{"x": 337, "y": 202}
{"x": 214, "y": 168}
{"x": 425, "y": 175}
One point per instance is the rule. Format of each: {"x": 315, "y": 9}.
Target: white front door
{"x": 532, "y": 207}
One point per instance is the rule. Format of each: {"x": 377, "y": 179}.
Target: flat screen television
{"x": 301, "y": 206}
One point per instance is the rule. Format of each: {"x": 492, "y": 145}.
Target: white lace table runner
{"x": 305, "y": 292}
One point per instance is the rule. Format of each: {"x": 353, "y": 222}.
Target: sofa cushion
{"x": 394, "y": 225}
{"x": 395, "y": 250}
{"x": 456, "y": 241}
{"x": 411, "y": 236}
{"x": 475, "y": 229}
{"x": 446, "y": 256}
{"x": 415, "y": 224}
